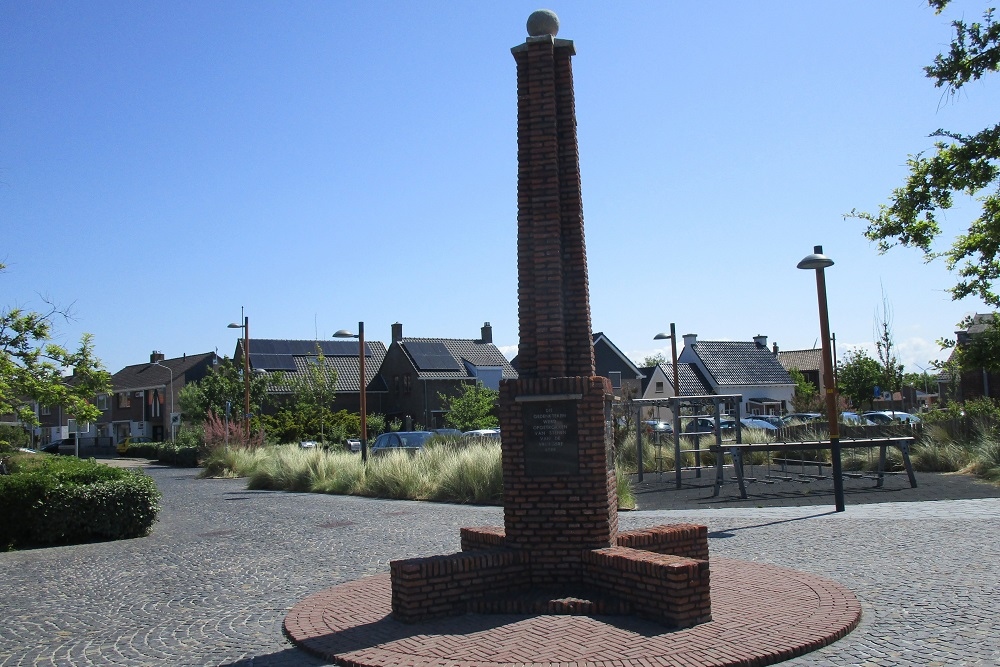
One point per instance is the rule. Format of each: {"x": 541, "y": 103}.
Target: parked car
{"x": 854, "y": 419}
{"x": 353, "y": 445}
{"x": 136, "y": 439}
{"x": 482, "y": 433}
{"x": 66, "y": 447}
{"x": 889, "y": 417}
{"x": 773, "y": 420}
{"x": 702, "y": 425}
{"x": 404, "y": 441}
{"x": 801, "y": 417}
{"x": 654, "y": 426}
{"x": 754, "y": 422}
{"x": 447, "y": 432}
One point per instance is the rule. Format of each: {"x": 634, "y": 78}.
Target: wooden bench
{"x": 737, "y": 450}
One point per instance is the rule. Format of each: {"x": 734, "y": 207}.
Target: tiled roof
{"x": 740, "y": 363}
{"x": 690, "y": 379}
{"x": 804, "y": 360}
{"x": 462, "y": 350}
{"x": 980, "y": 323}
{"x": 294, "y": 357}
{"x": 148, "y": 375}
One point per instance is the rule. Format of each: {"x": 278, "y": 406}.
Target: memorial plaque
{"x": 550, "y": 438}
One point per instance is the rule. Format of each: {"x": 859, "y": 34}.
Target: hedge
{"x": 65, "y": 501}
{"x": 183, "y": 456}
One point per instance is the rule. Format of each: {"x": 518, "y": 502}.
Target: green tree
{"x": 982, "y": 350}
{"x": 473, "y": 408}
{"x": 885, "y": 348}
{"x": 961, "y": 164}
{"x": 32, "y": 368}
{"x": 308, "y": 406}
{"x": 654, "y": 360}
{"x": 923, "y": 381}
{"x": 806, "y": 393}
{"x": 222, "y": 384}
{"x": 857, "y": 376}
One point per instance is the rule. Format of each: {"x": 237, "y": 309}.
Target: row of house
{"x": 407, "y": 379}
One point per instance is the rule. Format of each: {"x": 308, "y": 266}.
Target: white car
{"x": 889, "y": 416}
{"x": 482, "y": 433}
{"x": 354, "y": 444}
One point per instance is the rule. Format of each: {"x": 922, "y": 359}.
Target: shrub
{"x": 142, "y": 450}
{"x": 67, "y": 501}
{"x": 184, "y": 456}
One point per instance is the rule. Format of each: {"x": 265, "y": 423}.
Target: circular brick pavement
{"x": 762, "y": 614}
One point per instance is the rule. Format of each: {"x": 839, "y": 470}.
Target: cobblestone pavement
{"x": 213, "y": 582}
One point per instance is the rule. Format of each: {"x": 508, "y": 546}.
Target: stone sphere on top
{"x": 543, "y": 22}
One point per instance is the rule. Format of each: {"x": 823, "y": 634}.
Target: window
{"x": 102, "y": 402}
{"x": 395, "y": 383}
{"x": 659, "y": 387}
{"x": 45, "y": 409}
{"x": 406, "y": 383}
{"x": 124, "y": 401}
{"x": 616, "y": 379}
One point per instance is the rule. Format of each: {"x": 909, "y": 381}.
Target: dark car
{"x": 403, "y": 441}
{"x": 654, "y": 426}
{"x": 66, "y": 447}
{"x": 700, "y": 425}
{"x": 773, "y": 420}
{"x": 51, "y": 448}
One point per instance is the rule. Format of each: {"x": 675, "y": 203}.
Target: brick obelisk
{"x": 560, "y": 495}
{"x": 559, "y": 551}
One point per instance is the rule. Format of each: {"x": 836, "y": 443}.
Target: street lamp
{"x": 246, "y": 370}
{"x": 924, "y": 372}
{"x": 344, "y": 333}
{"x": 817, "y": 261}
{"x": 171, "y": 371}
{"x": 673, "y": 354}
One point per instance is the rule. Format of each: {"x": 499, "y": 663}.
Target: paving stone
{"x": 211, "y": 585}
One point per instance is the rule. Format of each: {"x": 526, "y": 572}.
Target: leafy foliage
{"x": 473, "y": 408}
{"x": 806, "y": 393}
{"x": 224, "y": 384}
{"x": 31, "y": 368}
{"x": 307, "y": 413}
{"x": 966, "y": 164}
{"x": 654, "y": 360}
{"x": 982, "y": 350}
{"x": 61, "y": 500}
{"x": 857, "y": 376}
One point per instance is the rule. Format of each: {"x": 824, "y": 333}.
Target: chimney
{"x": 690, "y": 340}
{"x": 155, "y": 356}
{"x": 774, "y": 349}
{"x": 761, "y": 341}
{"x": 486, "y": 333}
{"x": 397, "y": 332}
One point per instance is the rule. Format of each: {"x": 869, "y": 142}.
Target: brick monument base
{"x": 560, "y": 551}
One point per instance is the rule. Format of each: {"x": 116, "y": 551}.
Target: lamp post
{"x": 246, "y": 370}
{"x": 171, "y": 371}
{"x": 673, "y": 354}
{"x": 362, "y": 389}
{"x": 817, "y": 261}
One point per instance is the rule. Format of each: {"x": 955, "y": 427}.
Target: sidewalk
{"x": 659, "y": 491}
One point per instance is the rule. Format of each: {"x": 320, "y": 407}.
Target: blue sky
{"x": 164, "y": 164}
